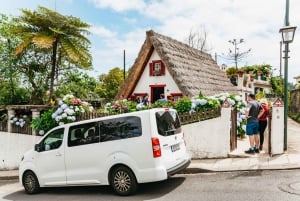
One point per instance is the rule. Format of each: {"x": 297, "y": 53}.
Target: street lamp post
{"x": 288, "y": 33}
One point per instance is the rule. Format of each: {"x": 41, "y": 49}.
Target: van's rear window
{"x": 167, "y": 123}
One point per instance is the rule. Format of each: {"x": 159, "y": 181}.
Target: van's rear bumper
{"x": 181, "y": 166}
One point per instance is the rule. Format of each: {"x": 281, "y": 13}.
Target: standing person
{"x": 146, "y": 100}
{"x": 162, "y": 98}
{"x": 252, "y": 112}
{"x": 263, "y": 120}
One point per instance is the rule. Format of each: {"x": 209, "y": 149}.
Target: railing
{"x": 3, "y": 126}
{"x": 26, "y": 129}
{"x": 187, "y": 118}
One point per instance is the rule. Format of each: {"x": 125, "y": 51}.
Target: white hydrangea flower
{"x": 238, "y": 98}
{"x": 91, "y": 108}
{"x": 203, "y": 102}
{"x": 64, "y": 106}
{"x": 64, "y": 115}
{"x": 193, "y": 105}
{"x": 60, "y": 102}
{"x": 139, "y": 106}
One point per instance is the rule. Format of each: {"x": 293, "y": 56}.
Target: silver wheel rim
{"x": 29, "y": 183}
{"x": 122, "y": 181}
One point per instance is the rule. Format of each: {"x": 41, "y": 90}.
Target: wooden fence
{"x": 185, "y": 118}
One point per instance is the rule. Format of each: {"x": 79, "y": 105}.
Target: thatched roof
{"x": 192, "y": 70}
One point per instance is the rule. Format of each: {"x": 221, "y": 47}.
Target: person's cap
{"x": 251, "y": 96}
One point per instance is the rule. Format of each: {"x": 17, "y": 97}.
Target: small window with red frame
{"x": 157, "y": 68}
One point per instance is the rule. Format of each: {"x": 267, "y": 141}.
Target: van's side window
{"x": 167, "y": 123}
{"x": 83, "y": 134}
{"x": 53, "y": 140}
{"x": 120, "y": 128}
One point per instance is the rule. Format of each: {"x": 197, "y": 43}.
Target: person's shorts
{"x": 252, "y": 128}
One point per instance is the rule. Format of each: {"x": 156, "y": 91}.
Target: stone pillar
{"x": 277, "y": 128}
{"x": 10, "y": 112}
{"x": 35, "y": 114}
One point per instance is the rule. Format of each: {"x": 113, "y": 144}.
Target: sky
{"x": 118, "y": 25}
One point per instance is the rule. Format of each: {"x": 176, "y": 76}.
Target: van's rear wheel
{"x": 123, "y": 181}
{"x": 30, "y": 183}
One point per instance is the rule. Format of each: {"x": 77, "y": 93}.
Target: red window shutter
{"x": 151, "y": 69}
{"x": 163, "y": 68}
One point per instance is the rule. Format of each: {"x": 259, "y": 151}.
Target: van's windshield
{"x": 167, "y": 123}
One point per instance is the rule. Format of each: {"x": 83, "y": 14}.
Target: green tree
{"x": 77, "y": 83}
{"x": 110, "y": 83}
{"x": 63, "y": 35}
{"x": 10, "y": 90}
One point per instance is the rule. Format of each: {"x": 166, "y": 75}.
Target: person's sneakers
{"x": 256, "y": 149}
{"x": 260, "y": 147}
{"x": 250, "y": 151}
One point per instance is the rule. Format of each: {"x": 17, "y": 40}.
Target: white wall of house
{"x": 210, "y": 138}
{"x": 13, "y": 146}
{"x": 146, "y": 80}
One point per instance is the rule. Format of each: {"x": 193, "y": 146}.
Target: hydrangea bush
{"x": 68, "y": 109}
{"x": 236, "y": 101}
{"x": 18, "y": 120}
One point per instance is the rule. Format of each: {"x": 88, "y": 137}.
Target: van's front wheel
{"x": 30, "y": 183}
{"x": 123, "y": 181}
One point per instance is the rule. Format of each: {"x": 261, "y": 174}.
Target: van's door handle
{"x": 58, "y": 154}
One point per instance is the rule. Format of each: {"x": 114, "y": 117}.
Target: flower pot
{"x": 259, "y": 72}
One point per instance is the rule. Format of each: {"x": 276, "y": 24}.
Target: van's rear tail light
{"x": 156, "y": 147}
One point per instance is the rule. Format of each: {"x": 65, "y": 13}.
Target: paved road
{"x": 226, "y": 186}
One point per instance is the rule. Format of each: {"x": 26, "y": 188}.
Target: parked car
{"x": 121, "y": 151}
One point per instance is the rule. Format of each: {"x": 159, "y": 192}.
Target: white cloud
{"x": 111, "y": 53}
{"x": 102, "y": 32}
{"x": 120, "y": 6}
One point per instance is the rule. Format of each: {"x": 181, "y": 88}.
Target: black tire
{"x": 123, "y": 181}
{"x": 30, "y": 183}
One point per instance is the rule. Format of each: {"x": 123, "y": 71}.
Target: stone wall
{"x": 294, "y": 106}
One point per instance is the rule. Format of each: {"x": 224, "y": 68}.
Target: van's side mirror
{"x": 37, "y": 147}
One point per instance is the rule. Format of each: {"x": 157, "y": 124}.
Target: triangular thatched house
{"x": 167, "y": 66}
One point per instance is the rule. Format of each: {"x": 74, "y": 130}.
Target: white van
{"x": 120, "y": 150}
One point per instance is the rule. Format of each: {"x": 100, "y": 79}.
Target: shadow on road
{"x": 145, "y": 192}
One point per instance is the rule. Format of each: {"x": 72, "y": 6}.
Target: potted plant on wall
{"x": 232, "y": 75}
{"x": 240, "y": 72}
